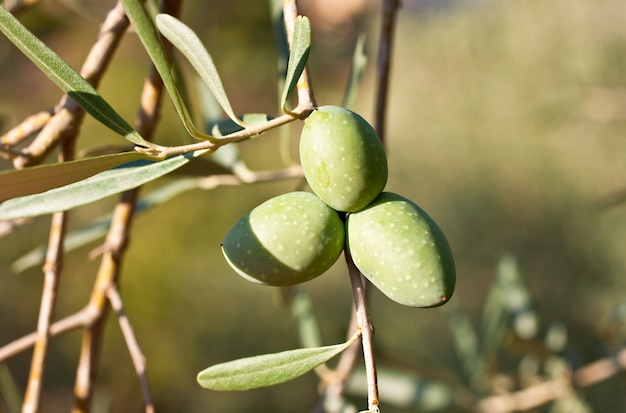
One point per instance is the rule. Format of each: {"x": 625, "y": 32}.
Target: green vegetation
{"x": 505, "y": 122}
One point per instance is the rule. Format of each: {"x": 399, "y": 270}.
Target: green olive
{"x": 402, "y": 251}
{"x": 342, "y": 158}
{"x": 286, "y": 240}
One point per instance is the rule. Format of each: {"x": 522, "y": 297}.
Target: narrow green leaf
{"x": 185, "y": 40}
{"x": 98, "y": 229}
{"x": 66, "y": 78}
{"x": 301, "y": 45}
{"x": 149, "y": 37}
{"x": 16, "y": 183}
{"x": 112, "y": 181}
{"x": 268, "y": 369}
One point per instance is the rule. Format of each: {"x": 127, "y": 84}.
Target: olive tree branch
{"x": 367, "y": 331}
{"x": 82, "y": 318}
{"x": 24, "y": 129}
{"x": 52, "y": 273}
{"x": 206, "y": 147}
{"x": 136, "y": 355}
{"x": 536, "y": 395}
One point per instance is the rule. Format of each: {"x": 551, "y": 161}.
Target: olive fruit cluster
{"x": 297, "y": 236}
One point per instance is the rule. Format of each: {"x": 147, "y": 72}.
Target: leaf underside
{"x": 121, "y": 178}
{"x": 17, "y": 183}
{"x": 268, "y": 369}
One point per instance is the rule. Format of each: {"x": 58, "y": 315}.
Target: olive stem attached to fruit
{"x": 162, "y": 152}
{"x": 367, "y": 332}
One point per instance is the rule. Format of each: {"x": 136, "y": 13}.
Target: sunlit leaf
{"x": 268, "y": 369}
{"x": 16, "y": 183}
{"x": 66, "y": 78}
{"x": 112, "y": 181}
{"x": 185, "y": 40}
{"x": 147, "y": 33}
{"x": 301, "y": 45}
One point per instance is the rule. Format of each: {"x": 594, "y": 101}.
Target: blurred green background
{"x": 506, "y": 123}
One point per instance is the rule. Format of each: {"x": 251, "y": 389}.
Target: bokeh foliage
{"x": 506, "y": 124}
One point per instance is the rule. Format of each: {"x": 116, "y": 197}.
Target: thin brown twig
{"x": 107, "y": 275}
{"x": 539, "y": 394}
{"x": 27, "y": 127}
{"x": 80, "y": 319}
{"x": 136, "y": 355}
{"x": 159, "y": 151}
{"x": 390, "y": 8}
{"x": 52, "y": 273}
{"x": 50, "y": 287}
{"x": 367, "y": 332}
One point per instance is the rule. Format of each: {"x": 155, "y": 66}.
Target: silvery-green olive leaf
{"x": 402, "y": 251}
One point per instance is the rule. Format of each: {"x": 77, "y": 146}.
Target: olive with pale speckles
{"x": 342, "y": 158}
{"x": 286, "y": 240}
{"x": 402, "y": 251}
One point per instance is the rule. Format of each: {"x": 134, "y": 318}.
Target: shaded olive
{"x": 286, "y": 240}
